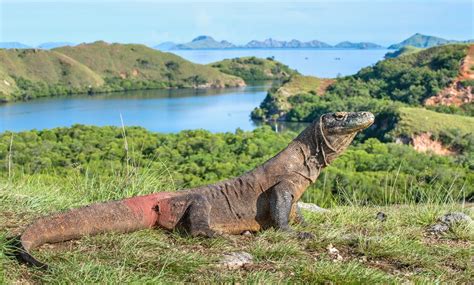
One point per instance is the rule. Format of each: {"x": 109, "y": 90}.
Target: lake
{"x": 217, "y": 110}
{"x": 326, "y": 63}
{"x": 169, "y": 111}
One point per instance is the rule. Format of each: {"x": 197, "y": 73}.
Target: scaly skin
{"x": 261, "y": 198}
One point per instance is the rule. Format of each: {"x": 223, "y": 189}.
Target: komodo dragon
{"x": 261, "y": 198}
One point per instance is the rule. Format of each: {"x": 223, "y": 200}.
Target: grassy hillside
{"x": 7, "y": 86}
{"x": 253, "y": 69}
{"x": 418, "y": 120}
{"x": 278, "y": 103}
{"x": 350, "y": 247}
{"x": 138, "y": 62}
{"x": 100, "y": 67}
{"x": 27, "y": 67}
{"x": 406, "y": 50}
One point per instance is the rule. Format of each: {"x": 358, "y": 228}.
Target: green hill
{"x": 29, "y": 73}
{"x": 100, "y": 67}
{"x": 427, "y": 130}
{"x": 278, "y": 103}
{"x": 409, "y": 79}
{"x": 421, "y": 41}
{"x": 253, "y": 68}
{"x": 419, "y": 120}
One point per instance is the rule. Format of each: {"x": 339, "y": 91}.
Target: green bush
{"x": 369, "y": 172}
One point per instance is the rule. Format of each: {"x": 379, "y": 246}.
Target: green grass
{"x": 373, "y": 252}
{"x": 277, "y": 100}
{"x": 406, "y": 50}
{"x": 419, "y": 120}
{"x": 301, "y": 84}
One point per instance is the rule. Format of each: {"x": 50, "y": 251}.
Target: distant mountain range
{"x": 208, "y": 42}
{"x": 49, "y": 45}
{"x": 272, "y": 43}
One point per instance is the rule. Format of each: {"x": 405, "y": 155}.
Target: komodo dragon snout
{"x": 346, "y": 122}
{"x": 340, "y": 128}
{"x": 263, "y": 197}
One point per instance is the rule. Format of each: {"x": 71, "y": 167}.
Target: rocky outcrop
{"x": 448, "y": 221}
{"x": 460, "y": 91}
{"x": 236, "y": 260}
{"x": 424, "y": 143}
{"x": 456, "y": 94}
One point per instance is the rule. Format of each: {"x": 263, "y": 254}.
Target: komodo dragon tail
{"x": 118, "y": 216}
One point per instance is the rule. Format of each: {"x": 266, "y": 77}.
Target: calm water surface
{"x": 175, "y": 110}
{"x": 157, "y": 110}
{"x": 318, "y": 62}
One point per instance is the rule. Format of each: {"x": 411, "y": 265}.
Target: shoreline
{"x": 2, "y": 102}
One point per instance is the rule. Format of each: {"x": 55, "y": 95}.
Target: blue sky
{"x": 154, "y": 21}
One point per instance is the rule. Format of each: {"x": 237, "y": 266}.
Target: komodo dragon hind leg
{"x": 199, "y": 217}
{"x": 281, "y": 203}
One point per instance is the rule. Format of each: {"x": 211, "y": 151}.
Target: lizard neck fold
{"x": 316, "y": 150}
{"x": 323, "y": 146}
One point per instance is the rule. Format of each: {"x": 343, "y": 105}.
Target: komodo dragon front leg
{"x": 282, "y": 201}
{"x": 199, "y": 217}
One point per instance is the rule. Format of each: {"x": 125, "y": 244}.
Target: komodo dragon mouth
{"x": 261, "y": 198}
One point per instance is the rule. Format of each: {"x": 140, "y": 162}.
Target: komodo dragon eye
{"x": 340, "y": 116}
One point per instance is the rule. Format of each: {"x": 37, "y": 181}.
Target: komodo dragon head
{"x": 335, "y": 131}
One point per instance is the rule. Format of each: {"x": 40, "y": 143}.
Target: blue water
{"x": 168, "y": 111}
{"x": 327, "y": 63}
{"x": 157, "y": 110}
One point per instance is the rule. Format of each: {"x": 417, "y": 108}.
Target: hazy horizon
{"x": 151, "y": 22}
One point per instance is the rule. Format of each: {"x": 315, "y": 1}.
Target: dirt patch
{"x": 393, "y": 266}
{"x": 436, "y": 240}
{"x": 424, "y": 143}
{"x": 457, "y": 94}
{"x": 467, "y": 64}
{"x": 324, "y": 85}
